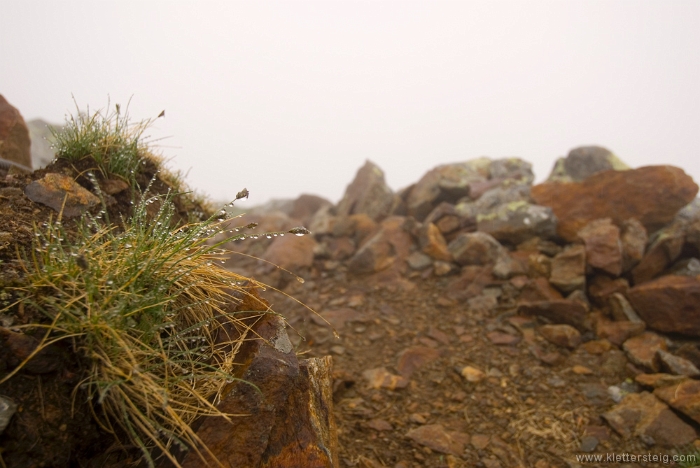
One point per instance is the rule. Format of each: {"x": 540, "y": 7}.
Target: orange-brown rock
{"x": 432, "y": 243}
{"x": 368, "y": 193}
{"x": 14, "y": 136}
{"x": 618, "y": 332}
{"x": 435, "y": 437}
{"x": 283, "y": 409}
{"x": 538, "y": 289}
{"x": 618, "y": 195}
{"x": 61, "y": 193}
{"x": 660, "y": 254}
{"x": 381, "y": 378}
{"x": 634, "y": 241}
{"x": 642, "y": 414}
{"x": 558, "y": 311}
{"x": 603, "y": 247}
{"x": 561, "y": 335}
{"x": 641, "y": 350}
{"x": 568, "y": 271}
{"x": 392, "y": 243}
{"x": 669, "y": 304}
{"x": 601, "y": 287}
{"x": 291, "y": 252}
{"x": 413, "y": 358}
{"x": 305, "y": 206}
{"x": 684, "y": 396}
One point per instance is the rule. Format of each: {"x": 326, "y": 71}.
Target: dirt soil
{"x": 523, "y": 413}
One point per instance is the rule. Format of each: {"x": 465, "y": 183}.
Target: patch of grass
{"x": 142, "y": 303}
{"x": 117, "y": 146}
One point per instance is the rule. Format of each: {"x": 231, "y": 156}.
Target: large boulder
{"x": 14, "y": 136}
{"x": 669, "y": 304}
{"x": 618, "y": 195}
{"x": 448, "y": 182}
{"x": 583, "y": 162}
{"x": 368, "y": 193}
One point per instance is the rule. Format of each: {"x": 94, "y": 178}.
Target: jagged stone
{"x": 538, "y": 289}
{"x": 618, "y": 332}
{"x": 620, "y": 308}
{"x": 419, "y": 261}
{"x": 368, "y": 193}
{"x": 659, "y": 380}
{"x": 284, "y": 408}
{"x": 61, "y": 193}
{"x": 634, "y": 241}
{"x": 511, "y": 169}
{"x": 507, "y": 267}
{"x": 390, "y": 244}
{"x": 435, "y": 437}
{"x": 669, "y": 304}
{"x": 677, "y": 365}
{"x": 569, "y": 269}
{"x": 602, "y": 287}
{"x": 291, "y": 252}
{"x": 561, "y": 335}
{"x": 432, "y": 243}
{"x": 381, "y": 378}
{"x": 492, "y": 200}
{"x": 684, "y": 396}
{"x": 641, "y": 350}
{"x": 477, "y": 248}
{"x": 661, "y": 253}
{"x": 558, "y": 311}
{"x": 603, "y": 247}
{"x": 644, "y": 415}
{"x": 448, "y": 182}
{"x": 517, "y": 221}
{"x": 618, "y": 195}
{"x": 413, "y": 358}
{"x": 584, "y": 161}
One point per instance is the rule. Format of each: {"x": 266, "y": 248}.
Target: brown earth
{"x": 533, "y": 404}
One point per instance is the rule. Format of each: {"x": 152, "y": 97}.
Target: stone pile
{"x": 601, "y": 255}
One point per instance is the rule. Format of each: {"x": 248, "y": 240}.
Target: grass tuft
{"x": 116, "y": 145}
{"x": 142, "y": 303}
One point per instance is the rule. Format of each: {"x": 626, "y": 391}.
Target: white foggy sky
{"x": 291, "y": 97}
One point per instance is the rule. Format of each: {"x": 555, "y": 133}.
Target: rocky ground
{"x": 468, "y": 336}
